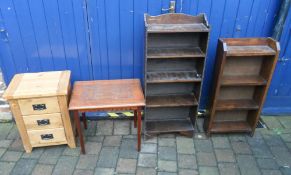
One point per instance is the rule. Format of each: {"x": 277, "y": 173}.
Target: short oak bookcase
{"x": 243, "y": 73}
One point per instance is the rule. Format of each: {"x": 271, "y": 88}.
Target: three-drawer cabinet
{"x": 39, "y": 103}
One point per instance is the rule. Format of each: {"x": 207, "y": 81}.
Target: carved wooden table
{"x": 107, "y": 95}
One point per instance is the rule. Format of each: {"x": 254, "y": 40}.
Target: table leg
{"x": 84, "y": 119}
{"x": 138, "y": 129}
{"x": 79, "y": 130}
{"x": 134, "y": 118}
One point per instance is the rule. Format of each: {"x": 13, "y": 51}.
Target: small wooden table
{"x": 107, "y": 95}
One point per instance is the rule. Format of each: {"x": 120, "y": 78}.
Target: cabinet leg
{"x": 135, "y": 118}
{"x": 138, "y": 129}
{"x": 84, "y": 119}
{"x": 79, "y": 131}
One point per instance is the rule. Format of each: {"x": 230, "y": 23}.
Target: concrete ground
{"x": 110, "y": 147}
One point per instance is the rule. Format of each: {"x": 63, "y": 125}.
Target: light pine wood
{"x": 20, "y": 125}
{"x": 31, "y": 121}
{"x": 51, "y": 103}
{"x": 39, "y": 105}
{"x": 67, "y": 121}
{"x": 59, "y": 137}
{"x": 40, "y": 84}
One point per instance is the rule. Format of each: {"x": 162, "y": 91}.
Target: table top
{"x": 40, "y": 84}
{"x": 106, "y": 94}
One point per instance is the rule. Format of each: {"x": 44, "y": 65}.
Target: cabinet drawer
{"x": 44, "y": 121}
{"x": 47, "y": 137}
{"x": 39, "y": 105}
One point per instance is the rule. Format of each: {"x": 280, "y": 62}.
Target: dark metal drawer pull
{"x": 47, "y": 136}
{"x": 39, "y": 107}
{"x": 43, "y": 122}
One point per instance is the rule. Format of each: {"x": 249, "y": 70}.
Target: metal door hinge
{"x": 172, "y": 7}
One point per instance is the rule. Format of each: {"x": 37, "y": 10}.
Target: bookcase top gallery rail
{"x": 250, "y": 46}
{"x": 176, "y": 22}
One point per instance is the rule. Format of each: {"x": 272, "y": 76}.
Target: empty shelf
{"x": 170, "y": 77}
{"x": 231, "y": 126}
{"x": 171, "y": 101}
{"x": 243, "y": 80}
{"x": 250, "y": 50}
{"x": 175, "y": 52}
{"x": 169, "y": 126}
{"x": 236, "y": 105}
{"x": 174, "y": 28}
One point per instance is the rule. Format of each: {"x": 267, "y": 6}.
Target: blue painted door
{"x": 278, "y": 101}
{"x": 104, "y": 39}
{"x": 44, "y": 35}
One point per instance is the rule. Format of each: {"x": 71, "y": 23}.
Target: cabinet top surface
{"x": 168, "y": 23}
{"x": 42, "y": 84}
{"x": 101, "y": 94}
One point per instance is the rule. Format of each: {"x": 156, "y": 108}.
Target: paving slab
{"x": 147, "y": 160}
{"x": 42, "y": 169}
{"x": 187, "y": 161}
{"x": 185, "y": 145}
{"x": 228, "y": 169}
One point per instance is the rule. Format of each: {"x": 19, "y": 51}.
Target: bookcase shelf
{"x": 171, "y": 101}
{"x": 174, "y": 62}
{"x": 175, "y": 52}
{"x": 243, "y": 72}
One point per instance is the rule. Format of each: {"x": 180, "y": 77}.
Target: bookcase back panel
{"x": 167, "y": 113}
{"x": 230, "y": 116}
{"x": 242, "y": 66}
{"x": 236, "y": 93}
{"x": 161, "y": 65}
{"x": 176, "y": 40}
{"x": 170, "y": 88}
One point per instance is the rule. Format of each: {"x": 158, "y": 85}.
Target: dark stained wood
{"x": 243, "y": 73}
{"x": 169, "y": 126}
{"x": 175, "y": 76}
{"x": 107, "y": 95}
{"x": 237, "y": 126}
{"x": 236, "y": 104}
{"x": 84, "y": 120}
{"x": 176, "y": 23}
{"x": 170, "y": 28}
{"x": 250, "y": 50}
{"x": 171, "y": 101}
{"x": 174, "y": 65}
{"x": 79, "y": 131}
{"x": 175, "y": 52}
{"x": 243, "y": 80}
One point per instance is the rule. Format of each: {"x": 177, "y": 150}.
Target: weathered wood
{"x": 169, "y": 126}
{"x": 107, "y": 95}
{"x": 242, "y": 77}
{"x": 174, "y": 65}
{"x": 171, "y": 101}
{"x": 103, "y": 94}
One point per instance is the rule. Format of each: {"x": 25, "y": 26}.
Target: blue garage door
{"x": 104, "y": 39}
{"x": 279, "y": 97}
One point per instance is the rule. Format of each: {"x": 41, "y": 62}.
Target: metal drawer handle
{"x": 39, "y": 107}
{"x": 47, "y": 136}
{"x": 43, "y": 122}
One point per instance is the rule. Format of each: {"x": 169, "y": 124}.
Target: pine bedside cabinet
{"x": 39, "y": 103}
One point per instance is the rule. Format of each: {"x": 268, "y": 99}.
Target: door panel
{"x": 278, "y": 101}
